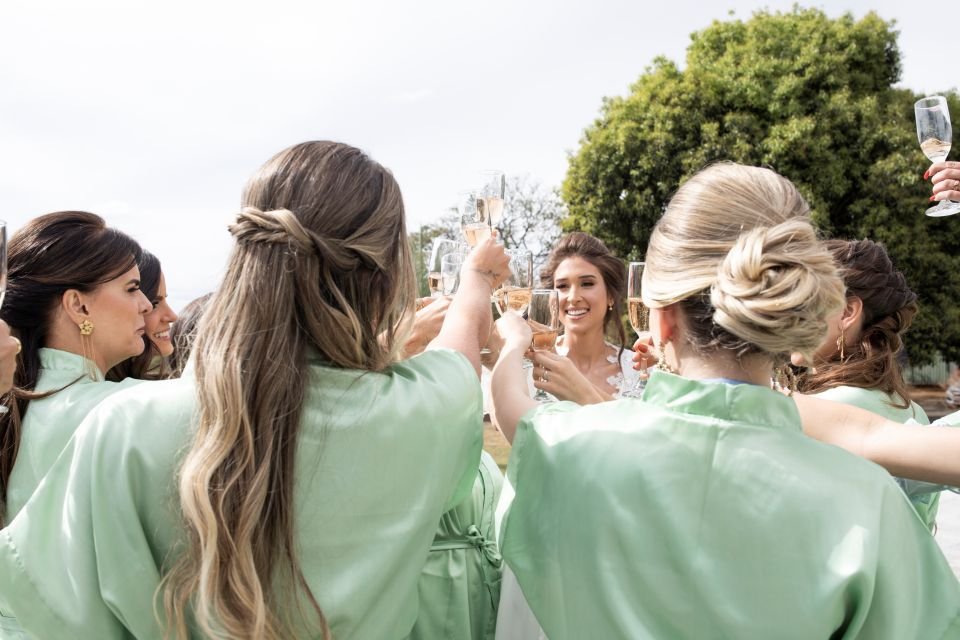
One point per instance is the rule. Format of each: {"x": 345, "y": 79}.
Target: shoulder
{"x": 147, "y": 423}
{"x": 876, "y": 401}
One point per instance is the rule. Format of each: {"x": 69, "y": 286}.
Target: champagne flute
{"x": 543, "y": 316}
{"x": 476, "y": 227}
{"x": 441, "y": 248}
{"x": 492, "y": 191}
{"x": 935, "y": 135}
{"x": 639, "y": 320}
{"x": 514, "y": 294}
{"x": 450, "y": 273}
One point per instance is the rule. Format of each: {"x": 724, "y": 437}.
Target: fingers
{"x": 489, "y": 259}
{"x": 947, "y": 188}
{"x": 937, "y": 167}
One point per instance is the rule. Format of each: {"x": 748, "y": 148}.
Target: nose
{"x": 573, "y": 293}
{"x": 169, "y": 314}
{"x": 144, "y": 304}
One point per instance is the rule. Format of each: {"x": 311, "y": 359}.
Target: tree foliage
{"x": 806, "y": 95}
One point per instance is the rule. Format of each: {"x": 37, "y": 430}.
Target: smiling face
{"x": 159, "y": 319}
{"x": 117, "y": 308}
{"x": 583, "y": 295}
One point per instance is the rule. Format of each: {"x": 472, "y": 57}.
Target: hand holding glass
{"x": 935, "y": 135}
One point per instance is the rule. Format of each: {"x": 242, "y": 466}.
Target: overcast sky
{"x": 154, "y": 114}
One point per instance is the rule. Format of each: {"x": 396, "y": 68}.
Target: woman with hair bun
{"x": 857, "y": 362}
{"x": 291, "y": 484}
{"x": 701, "y": 510}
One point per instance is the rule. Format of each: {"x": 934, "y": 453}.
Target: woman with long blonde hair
{"x": 701, "y": 510}
{"x": 291, "y": 486}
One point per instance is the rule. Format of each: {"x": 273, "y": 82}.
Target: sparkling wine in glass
{"x": 543, "y": 316}
{"x": 441, "y": 248}
{"x": 639, "y": 320}
{"x": 514, "y": 294}
{"x": 492, "y": 191}
{"x": 473, "y": 220}
{"x": 935, "y": 135}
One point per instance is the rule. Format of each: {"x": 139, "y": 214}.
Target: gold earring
{"x": 662, "y": 363}
{"x": 86, "y": 328}
{"x": 841, "y": 341}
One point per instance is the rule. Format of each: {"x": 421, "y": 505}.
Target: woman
{"x": 308, "y": 486}
{"x": 719, "y": 517}
{"x": 857, "y": 362}
{"x": 591, "y": 284}
{"x": 73, "y": 298}
{"x": 158, "y": 347}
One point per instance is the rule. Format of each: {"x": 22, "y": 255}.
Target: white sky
{"x": 154, "y": 114}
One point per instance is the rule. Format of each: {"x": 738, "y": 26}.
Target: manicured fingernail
{"x": 926, "y": 174}
{"x": 932, "y": 198}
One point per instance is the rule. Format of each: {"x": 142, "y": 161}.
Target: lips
{"x": 577, "y": 313}
{"x": 162, "y": 335}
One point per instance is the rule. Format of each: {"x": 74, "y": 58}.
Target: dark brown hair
{"x": 889, "y": 306}
{"x": 50, "y": 255}
{"x": 611, "y": 268}
{"x": 143, "y": 366}
{"x": 183, "y": 332}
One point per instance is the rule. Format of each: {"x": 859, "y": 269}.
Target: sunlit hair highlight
{"x": 321, "y": 267}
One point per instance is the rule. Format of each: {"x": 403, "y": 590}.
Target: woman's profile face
{"x": 159, "y": 319}
{"x": 583, "y": 295}
{"x": 116, "y": 309}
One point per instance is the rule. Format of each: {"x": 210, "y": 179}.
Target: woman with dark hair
{"x": 73, "y": 299}
{"x": 857, "y": 362}
{"x": 591, "y": 283}
{"x": 291, "y": 485}
{"x": 157, "y": 343}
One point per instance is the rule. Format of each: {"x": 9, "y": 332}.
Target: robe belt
{"x": 473, "y": 538}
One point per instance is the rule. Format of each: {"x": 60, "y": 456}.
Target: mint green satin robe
{"x": 925, "y": 504}
{"x": 702, "y": 511}
{"x": 50, "y": 422}
{"x": 460, "y": 583}
{"x": 380, "y": 457}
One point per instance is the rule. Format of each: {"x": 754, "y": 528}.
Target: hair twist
{"x": 281, "y": 226}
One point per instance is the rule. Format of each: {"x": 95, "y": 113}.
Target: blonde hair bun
{"x": 773, "y": 288}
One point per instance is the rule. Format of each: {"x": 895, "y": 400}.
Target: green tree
{"x": 809, "y": 96}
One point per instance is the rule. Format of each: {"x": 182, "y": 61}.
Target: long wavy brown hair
{"x": 48, "y": 256}
{"x": 889, "y": 306}
{"x": 321, "y": 265}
